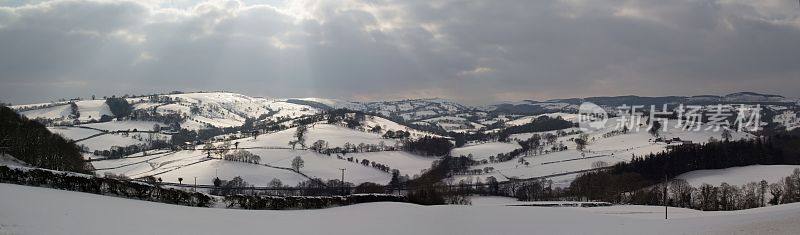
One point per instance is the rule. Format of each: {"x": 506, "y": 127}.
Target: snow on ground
{"x": 105, "y": 142}
{"x": 190, "y": 163}
{"x": 521, "y": 121}
{"x": 124, "y": 125}
{"x": 446, "y": 119}
{"x": 36, "y": 105}
{"x": 387, "y": 125}
{"x": 173, "y": 108}
{"x": 323, "y": 166}
{"x": 406, "y": 162}
{"x": 454, "y": 123}
{"x": 73, "y": 133}
{"x": 492, "y": 201}
{"x": 289, "y": 110}
{"x": 610, "y": 150}
{"x": 739, "y": 175}
{"x": 193, "y": 125}
{"x": 218, "y": 121}
{"x": 92, "y": 110}
{"x": 31, "y": 210}
{"x": 139, "y": 166}
{"x": 223, "y": 109}
{"x": 544, "y": 165}
{"x": 484, "y": 150}
{"x": 525, "y": 136}
{"x": 8, "y": 160}
{"x": 636, "y": 143}
{"x": 336, "y": 136}
{"x": 254, "y": 174}
{"x": 144, "y": 105}
{"x": 57, "y": 112}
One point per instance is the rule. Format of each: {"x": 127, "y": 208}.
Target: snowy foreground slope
{"x": 31, "y": 210}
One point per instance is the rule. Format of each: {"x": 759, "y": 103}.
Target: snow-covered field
{"x": 57, "y": 112}
{"x": 739, "y": 175}
{"x": 189, "y": 164}
{"x": 406, "y": 162}
{"x": 610, "y": 149}
{"x": 30, "y": 210}
{"x": 336, "y": 136}
{"x": 124, "y": 125}
{"x": 93, "y": 109}
{"x": 484, "y": 150}
{"x": 220, "y": 109}
{"x": 73, "y": 133}
{"x": 223, "y": 109}
{"x": 105, "y": 142}
{"x": 254, "y": 174}
{"x": 323, "y": 166}
{"x": 387, "y": 125}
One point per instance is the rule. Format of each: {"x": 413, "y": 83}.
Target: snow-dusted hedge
{"x": 304, "y": 202}
{"x": 105, "y": 186}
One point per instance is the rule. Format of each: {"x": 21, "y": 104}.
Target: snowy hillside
{"x": 407, "y": 110}
{"x": 55, "y": 112}
{"x": 335, "y": 136}
{"x": 603, "y": 148}
{"x": 428, "y": 117}
{"x": 484, "y": 150}
{"x": 739, "y": 175}
{"x": 198, "y": 110}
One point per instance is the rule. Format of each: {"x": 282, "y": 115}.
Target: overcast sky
{"x": 472, "y": 51}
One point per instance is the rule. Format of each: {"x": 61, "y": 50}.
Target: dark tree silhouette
{"x": 31, "y": 142}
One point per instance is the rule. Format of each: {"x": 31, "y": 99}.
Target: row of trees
{"x": 430, "y": 146}
{"x": 391, "y": 134}
{"x": 351, "y": 119}
{"x": 637, "y": 181}
{"x": 119, "y": 106}
{"x": 779, "y": 149}
{"x": 679, "y": 193}
{"x": 121, "y": 151}
{"x": 321, "y": 146}
{"x": 301, "y": 202}
{"x": 537, "y": 143}
{"x": 242, "y": 156}
{"x": 540, "y": 124}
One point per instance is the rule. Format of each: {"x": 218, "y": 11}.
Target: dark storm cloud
{"x": 476, "y": 52}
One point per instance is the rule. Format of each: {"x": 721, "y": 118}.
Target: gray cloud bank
{"x": 472, "y": 51}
